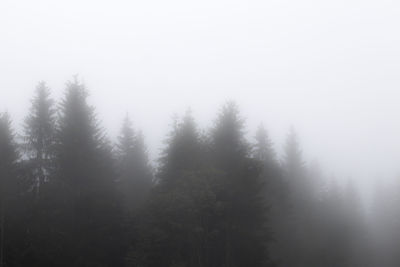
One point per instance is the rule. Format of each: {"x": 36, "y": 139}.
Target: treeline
{"x": 70, "y": 197}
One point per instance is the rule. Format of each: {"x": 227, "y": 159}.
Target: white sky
{"x": 330, "y": 68}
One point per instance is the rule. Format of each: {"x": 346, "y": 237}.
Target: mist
{"x": 305, "y": 91}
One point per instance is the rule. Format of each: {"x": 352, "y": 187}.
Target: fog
{"x": 330, "y": 69}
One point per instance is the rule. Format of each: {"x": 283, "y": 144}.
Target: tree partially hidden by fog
{"x": 71, "y": 197}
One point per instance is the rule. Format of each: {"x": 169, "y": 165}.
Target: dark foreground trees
{"x": 8, "y": 193}
{"x": 70, "y": 198}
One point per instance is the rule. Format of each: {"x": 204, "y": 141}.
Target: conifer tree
{"x": 243, "y": 219}
{"x": 37, "y": 169}
{"x": 170, "y": 232}
{"x": 92, "y": 222}
{"x": 40, "y": 135}
{"x": 293, "y": 249}
{"x": 263, "y": 150}
{"x": 135, "y": 174}
{"x": 293, "y": 162}
{"x": 183, "y": 150}
{"x": 227, "y": 138}
{"x": 276, "y": 193}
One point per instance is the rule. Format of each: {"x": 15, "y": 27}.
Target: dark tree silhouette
{"x": 40, "y": 135}
{"x": 92, "y": 213}
{"x": 183, "y": 151}
{"x": 243, "y": 233}
{"x": 172, "y": 219}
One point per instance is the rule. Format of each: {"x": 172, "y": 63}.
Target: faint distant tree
{"x": 293, "y": 246}
{"x": 39, "y": 135}
{"x": 355, "y": 235}
{"x": 263, "y": 150}
{"x": 293, "y": 162}
{"x": 135, "y": 173}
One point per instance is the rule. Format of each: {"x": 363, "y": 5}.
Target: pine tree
{"x": 92, "y": 215}
{"x": 39, "y": 135}
{"x": 135, "y": 174}
{"x": 293, "y": 162}
{"x": 295, "y": 171}
{"x": 293, "y": 249}
{"x": 228, "y": 143}
{"x": 38, "y": 169}
{"x": 276, "y": 193}
{"x": 169, "y": 232}
{"x": 183, "y": 150}
{"x": 263, "y": 150}
{"x": 243, "y": 219}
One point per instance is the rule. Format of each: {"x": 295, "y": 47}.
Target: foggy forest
{"x": 212, "y": 133}
{"x": 70, "y": 196}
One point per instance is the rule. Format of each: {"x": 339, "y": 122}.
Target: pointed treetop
{"x": 263, "y": 149}
{"x": 39, "y": 125}
{"x": 127, "y": 136}
{"x": 293, "y": 161}
{"x": 8, "y": 152}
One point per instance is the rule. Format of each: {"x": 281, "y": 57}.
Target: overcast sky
{"x": 330, "y": 68}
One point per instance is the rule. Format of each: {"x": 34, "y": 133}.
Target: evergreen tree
{"x": 183, "y": 151}
{"x": 296, "y": 222}
{"x": 276, "y": 193}
{"x": 42, "y": 198}
{"x": 243, "y": 234}
{"x": 135, "y": 174}
{"x": 170, "y": 226}
{"x": 39, "y": 135}
{"x": 92, "y": 222}
{"x": 227, "y": 138}
{"x": 293, "y": 162}
{"x": 263, "y": 150}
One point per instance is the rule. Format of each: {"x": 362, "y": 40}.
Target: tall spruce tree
{"x": 276, "y": 192}
{"x": 40, "y": 136}
{"x": 92, "y": 211}
{"x": 289, "y": 250}
{"x": 170, "y": 232}
{"x": 300, "y": 240}
{"x": 37, "y": 170}
{"x": 243, "y": 234}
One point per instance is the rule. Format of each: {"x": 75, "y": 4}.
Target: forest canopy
{"x": 70, "y": 196}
